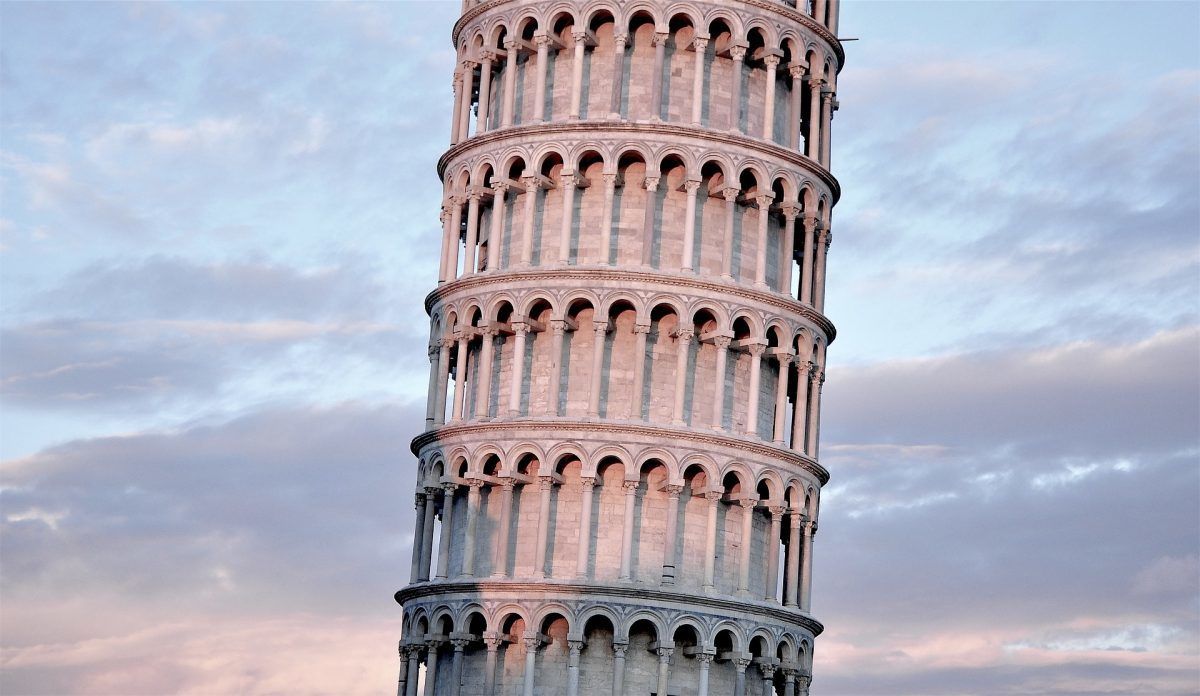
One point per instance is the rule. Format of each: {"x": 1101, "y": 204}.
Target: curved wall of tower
{"x": 618, "y": 485}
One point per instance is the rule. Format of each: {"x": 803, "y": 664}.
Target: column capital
{"x": 811, "y": 527}
{"x": 815, "y": 82}
{"x": 532, "y": 642}
{"x": 493, "y": 643}
{"x": 776, "y": 512}
{"x": 621, "y": 39}
{"x": 704, "y": 659}
{"x": 448, "y": 342}
{"x": 685, "y": 335}
{"x": 791, "y": 210}
{"x": 660, "y": 37}
{"x": 797, "y": 69}
{"x": 434, "y": 643}
{"x": 756, "y": 349}
{"x": 460, "y": 644}
{"x": 558, "y": 326}
{"x": 790, "y": 673}
{"x": 691, "y": 186}
{"x": 771, "y": 60}
{"x": 641, "y": 328}
{"x": 764, "y": 200}
{"x": 737, "y": 52}
{"x": 731, "y": 194}
{"x": 588, "y": 482}
{"x": 784, "y": 359}
{"x": 673, "y": 490}
{"x": 508, "y": 483}
{"x": 664, "y": 654}
{"x": 651, "y": 183}
{"x": 580, "y": 36}
{"x": 767, "y": 669}
{"x": 722, "y": 342}
{"x": 434, "y": 349}
{"x": 545, "y": 483}
{"x": 420, "y": 498}
{"x": 619, "y": 649}
{"x": 741, "y": 663}
{"x": 747, "y": 503}
{"x": 449, "y": 487}
{"x": 630, "y": 486}
{"x": 475, "y": 483}
{"x": 469, "y": 63}
{"x": 601, "y": 326}
{"x": 700, "y": 43}
{"x": 541, "y": 40}
{"x": 713, "y": 496}
{"x": 500, "y": 187}
{"x": 575, "y": 645}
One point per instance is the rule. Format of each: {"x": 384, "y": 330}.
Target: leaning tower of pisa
{"x": 618, "y": 485}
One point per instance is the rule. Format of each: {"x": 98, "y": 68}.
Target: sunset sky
{"x": 217, "y": 222}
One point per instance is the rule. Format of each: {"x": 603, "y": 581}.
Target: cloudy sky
{"x": 217, "y": 221}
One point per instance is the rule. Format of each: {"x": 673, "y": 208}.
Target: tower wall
{"x": 618, "y": 484}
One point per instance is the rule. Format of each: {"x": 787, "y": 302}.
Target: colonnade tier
{"x": 727, "y": 65}
{"x": 512, "y": 638}
{"x": 636, "y": 350}
{"x": 586, "y": 194}
{"x": 734, "y": 523}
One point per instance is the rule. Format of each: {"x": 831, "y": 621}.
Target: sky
{"x": 217, "y": 222}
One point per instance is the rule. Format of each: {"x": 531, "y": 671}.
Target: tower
{"x": 618, "y": 485}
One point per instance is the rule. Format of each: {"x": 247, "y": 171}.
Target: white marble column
{"x": 431, "y": 660}
{"x": 567, "y": 182}
{"x": 418, "y": 534}
{"x": 815, "y": 379}
{"x": 606, "y": 221}
{"x": 532, "y": 643}
{"x": 781, "y": 390}
{"x": 496, "y": 234}
{"x": 443, "y": 565}
{"x": 435, "y": 372}
{"x": 500, "y": 550}
{"x": 730, "y": 194}
{"x": 454, "y": 120}
{"x": 575, "y": 647}
{"x": 747, "y": 506}
{"x": 460, "y": 644}
{"x": 689, "y": 226}
{"x": 793, "y": 558}
{"x": 682, "y": 368}
{"x": 631, "y": 488}
{"x": 656, "y": 78}
{"x": 443, "y": 389}
{"x": 796, "y": 70}
{"x": 810, "y": 532}
{"x": 599, "y": 332}
{"x": 699, "y": 45}
{"x": 580, "y": 38}
{"x": 718, "y": 408}
{"x": 755, "y": 350}
{"x": 651, "y": 183}
{"x": 472, "y": 243}
{"x": 739, "y": 686}
{"x": 619, "y": 42}
{"x": 814, "y": 116}
{"x": 452, "y": 239}
{"x": 473, "y": 502}
{"x": 427, "y": 534}
{"x": 545, "y": 489}
{"x": 789, "y": 681}
{"x": 414, "y": 668}
{"x": 771, "y": 593}
{"x": 531, "y": 189}
{"x": 710, "y": 541}
{"x": 827, "y": 105}
{"x": 772, "y": 63}
{"x": 787, "y": 258}
{"x": 467, "y": 97}
{"x": 767, "y": 669}
{"x": 542, "y": 41}
{"x": 618, "y": 685}
{"x": 737, "y": 54}
{"x": 460, "y": 376}
{"x": 670, "y": 553}
{"x": 640, "y": 332}
{"x": 485, "y": 92}
{"x": 493, "y": 643}
{"x": 664, "y": 668}
{"x": 588, "y": 484}
{"x": 705, "y": 661}
{"x": 764, "y": 218}
{"x": 558, "y": 328}
{"x": 824, "y": 238}
{"x": 483, "y": 385}
{"x": 510, "y": 81}
{"x": 806, "y": 264}
{"x": 520, "y": 329}
{"x": 800, "y": 406}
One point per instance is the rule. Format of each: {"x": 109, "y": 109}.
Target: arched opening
{"x": 649, "y": 521}
{"x": 629, "y": 205}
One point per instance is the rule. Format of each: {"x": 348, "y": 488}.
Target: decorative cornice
{"x": 776, "y": 7}
{"x": 640, "y": 593}
{"x": 521, "y": 426}
{"x": 780, "y": 302}
{"x": 740, "y": 142}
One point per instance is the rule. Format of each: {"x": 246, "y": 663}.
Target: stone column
{"x": 648, "y": 220}
{"x": 810, "y": 533}
{"x": 814, "y": 116}
{"x": 531, "y": 189}
{"x": 558, "y": 327}
{"x": 670, "y": 552}
{"x": 520, "y": 329}
{"x": 402, "y": 685}
{"x": 485, "y": 91}
{"x": 427, "y": 534}
{"x": 499, "y": 196}
{"x": 580, "y": 38}
{"x": 771, "y": 593}
{"x": 739, "y": 687}
{"x": 472, "y": 242}
{"x": 493, "y": 643}
{"x": 705, "y": 661}
{"x": 545, "y": 484}
{"x": 682, "y": 365}
{"x": 414, "y": 667}
{"x": 788, "y": 257}
{"x": 460, "y": 644}
{"x": 600, "y": 331}
{"x": 610, "y": 191}
{"x": 567, "y": 182}
{"x": 718, "y": 412}
{"x": 818, "y": 11}
{"x": 822, "y": 253}
{"x": 445, "y": 217}
{"x": 747, "y": 541}
{"x": 689, "y": 227}
{"x": 737, "y": 54}
{"x": 815, "y": 380}
{"x": 457, "y": 87}
{"x": 531, "y": 647}
{"x": 439, "y": 414}
{"x": 483, "y": 386}
{"x": 756, "y": 351}
{"x": 796, "y": 70}
{"x": 699, "y": 44}
{"x": 772, "y": 63}
{"x": 460, "y": 377}
{"x": 631, "y": 488}
{"x": 619, "y": 650}
{"x": 473, "y": 497}
{"x": 764, "y": 217}
{"x": 640, "y": 332}
{"x": 802, "y": 683}
{"x": 573, "y": 666}
{"x": 656, "y": 81}
{"x": 585, "y": 527}
{"x": 781, "y": 388}
{"x": 542, "y": 42}
{"x": 510, "y": 81}
{"x": 730, "y": 194}
{"x": 431, "y": 400}
{"x": 418, "y": 534}
{"x": 664, "y": 668}
{"x": 710, "y": 541}
{"x": 431, "y": 660}
{"x": 452, "y": 240}
{"x": 826, "y": 125}
{"x": 464, "y": 114}
{"x": 800, "y": 407}
{"x": 443, "y": 571}
{"x": 768, "y": 673}
{"x": 500, "y": 551}
{"x": 789, "y": 681}
{"x": 806, "y": 264}
{"x": 614, "y": 106}
{"x": 793, "y": 558}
